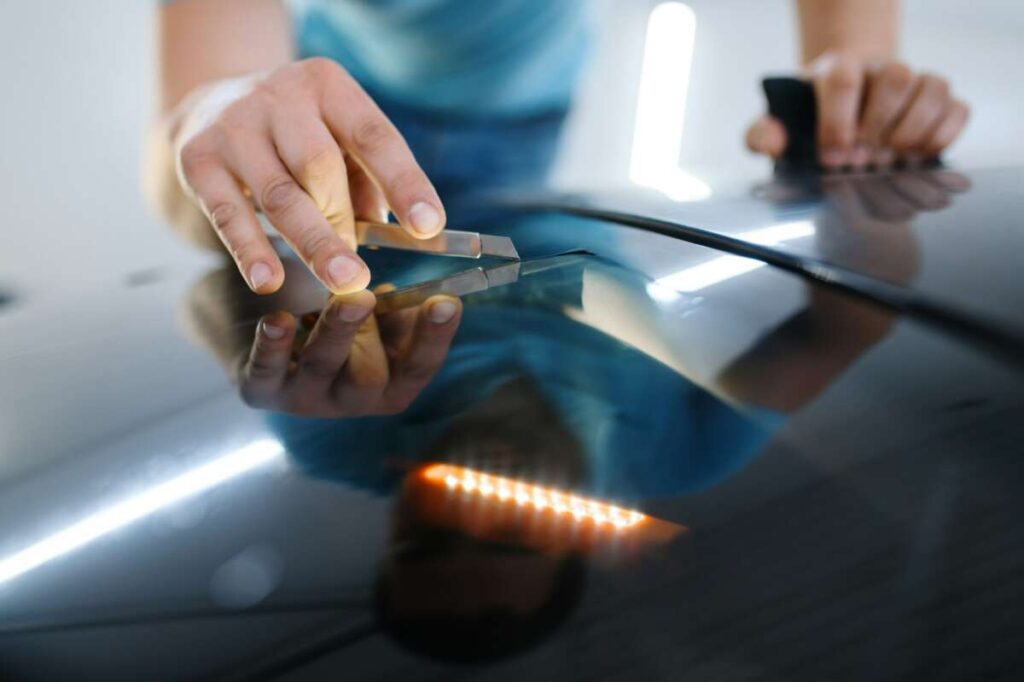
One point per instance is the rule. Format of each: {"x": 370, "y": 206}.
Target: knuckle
{"x": 844, "y": 75}
{"x": 936, "y": 86}
{"x": 405, "y": 180}
{"x": 262, "y": 368}
{"x": 321, "y": 162}
{"x": 320, "y": 67}
{"x": 371, "y": 135}
{"x": 897, "y": 76}
{"x": 314, "y": 243}
{"x": 280, "y": 194}
{"x": 243, "y": 251}
{"x": 194, "y": 155}
{"x": 224, "y": 215}
{"x": 318, "y": 368}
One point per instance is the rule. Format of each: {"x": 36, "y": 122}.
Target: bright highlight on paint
{"x": 487, "y": 486}
{"x": 724, "y": 268}
{"x": 116, "y": 516}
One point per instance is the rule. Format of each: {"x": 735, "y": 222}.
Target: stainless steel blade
{"x": 459, "y": 284}
{"x": 448, "y": 243}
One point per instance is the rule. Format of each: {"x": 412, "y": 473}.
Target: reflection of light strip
{"x": 722, "y": 268}
{"x": 139, "y": 506}
{"x": 661, "y": 104}
{"x": 527, "y": 494}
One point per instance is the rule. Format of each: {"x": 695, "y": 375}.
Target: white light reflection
{"x": 661, "y": 104}
{"x": 121, "y": 514}
{"x": 723, "y": 268}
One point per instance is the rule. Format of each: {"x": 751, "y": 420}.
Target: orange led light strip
{"x": 524, "y": 494}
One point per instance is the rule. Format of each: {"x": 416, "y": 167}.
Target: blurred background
{"x": 76, "y": 79}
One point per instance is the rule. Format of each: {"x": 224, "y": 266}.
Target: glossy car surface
{"x": 822, "y": 453}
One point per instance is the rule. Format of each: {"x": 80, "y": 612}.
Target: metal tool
{"x": 469, "y": 281}
{"x": 460, "y": 284}
{"x": 447, "y": 243}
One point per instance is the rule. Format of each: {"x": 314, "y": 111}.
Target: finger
{"x": 367, "y": 134}
{"x": 924, "y": 195}
{"x": 838, "y": 83}
{"x": 883, "y": 202}
{"x": 432, "y": 337}
{"x": 367, "y": 200}
{"x": 927, "y": 106}
{"x": 263, "y": 375}
{"x": 948, "y": 129}
{"x": 234, "y": 221}
{"x": 396, "y": 328}
{"x": 889, "y": 90}
{"x": 313, "y": 157}
{"x": 950, "y": 181}
{"x": 328, "y": 346}
{"x": 296, "y": 217}
{"x": 767, "y": 136}
{"x": 364, "y": 377}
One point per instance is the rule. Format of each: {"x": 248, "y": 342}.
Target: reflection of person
{"x": 450, "y": 595}
{"x": 557, "y": 402}
{"x": 377, "y": 107}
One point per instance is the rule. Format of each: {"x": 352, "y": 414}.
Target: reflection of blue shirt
{"x": 457, "y": 56}
{"x": 645, "y": 430}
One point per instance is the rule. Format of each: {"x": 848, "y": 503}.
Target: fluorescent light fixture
{"x": 661, "y": 104}
{"x": 220, "y": 470}
{"x": 723, "y": 268}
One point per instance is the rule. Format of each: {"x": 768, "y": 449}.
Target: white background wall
{"x": 75, "y": 89}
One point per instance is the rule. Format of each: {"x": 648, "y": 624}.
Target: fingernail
{"x": 272, "y": 331}
{"x": 425, "y": 218}
{"x": 342, "y": 270}
{"x": 860, "y": 156}
{"x": 441, "y": 312}
{"x": 260, "y": 274}
{"x": 832, "y": 157}
{"x": 349, "y": 312}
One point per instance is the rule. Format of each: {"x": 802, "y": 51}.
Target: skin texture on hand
{"x": 871, "y": 113}
{"x": 307, "y": 147}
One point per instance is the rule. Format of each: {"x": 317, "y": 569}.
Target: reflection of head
{"x": 452, "y": 596}
{"x": 478, "y": 603}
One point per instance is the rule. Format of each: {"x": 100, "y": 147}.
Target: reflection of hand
{"x": 353, "y": 363}
{"x": 871, "y": 114}
{"x": 864, "y": 225}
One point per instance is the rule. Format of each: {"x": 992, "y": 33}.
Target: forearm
{"x": 865, "y": 28}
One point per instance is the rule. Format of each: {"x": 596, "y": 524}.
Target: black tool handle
{"x": 791, "y": 101}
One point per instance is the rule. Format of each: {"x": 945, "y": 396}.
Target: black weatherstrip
{"x": 1000, "y": 341}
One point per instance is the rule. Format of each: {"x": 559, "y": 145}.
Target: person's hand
{"x": 306, "y": 146}
{"x": 353, "y": 363}
{"x": 871, "y": 114}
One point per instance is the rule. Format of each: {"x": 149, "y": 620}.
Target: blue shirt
{"x": 644, "y": 430}
{"x": 465, "y": 57}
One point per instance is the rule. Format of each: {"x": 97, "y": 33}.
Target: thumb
{"x": 767, "y": 136}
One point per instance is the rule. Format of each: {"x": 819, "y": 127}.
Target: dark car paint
{"x": 876, "y": 536}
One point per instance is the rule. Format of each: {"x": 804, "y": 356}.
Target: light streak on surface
{"x": 661, "y": 104}
{"x": 116, "y": 516}
{"x": 722, "y": 268}
{"x": 488, "y": 486}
